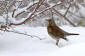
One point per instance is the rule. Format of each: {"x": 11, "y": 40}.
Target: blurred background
{"x": 65, "y": 12}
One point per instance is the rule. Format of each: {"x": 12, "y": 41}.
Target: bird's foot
{"x": 65, "y": 39}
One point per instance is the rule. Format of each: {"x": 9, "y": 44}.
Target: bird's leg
{"x": 57, "y": 41}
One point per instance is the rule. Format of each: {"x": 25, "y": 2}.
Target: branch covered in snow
{"x": 30, "y": 16}
{"x": 40, "y": 9}
{"x": 32, "y": 36}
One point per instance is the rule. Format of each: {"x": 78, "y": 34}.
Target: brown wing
{"x": 55, "y": 31}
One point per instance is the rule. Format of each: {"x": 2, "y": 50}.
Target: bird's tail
{"x": 72, "y": 34}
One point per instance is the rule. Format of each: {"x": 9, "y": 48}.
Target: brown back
{"x": 53, "y": 29}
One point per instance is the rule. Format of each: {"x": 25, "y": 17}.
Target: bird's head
{"x": 48, "y": 20}
{"x": 51, "y": 22}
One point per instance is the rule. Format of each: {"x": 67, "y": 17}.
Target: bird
{"x": 56, "y": 32}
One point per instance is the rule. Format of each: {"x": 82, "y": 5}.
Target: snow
{"x": 2, "y": 20}
{"x": 13, "y": 44}
{"x": 73, "y": 50}
{"x": 13, "y": 20}
{"x": 24, "y": 9}
{"x": 81, "y": 11}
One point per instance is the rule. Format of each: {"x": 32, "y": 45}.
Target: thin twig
{"x": 19, "y": 14}
{"x": 32, "y": 36}
{"x": 63, "y": 17}
{"x": 67, "y": 9}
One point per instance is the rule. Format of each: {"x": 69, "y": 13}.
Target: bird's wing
{"x": 58, "y": 32}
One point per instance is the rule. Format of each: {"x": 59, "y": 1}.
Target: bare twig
{"x": 15, "y": 9}
{"x": 19, "y": 14}
{"x": 63, "y": 17}
{"x": 67, "y": 9}
{"x": 42, "y": 11}
{"x": 13, "y": 12}
{"x": 31, "y": 5}
{"x": 26, "y": 9}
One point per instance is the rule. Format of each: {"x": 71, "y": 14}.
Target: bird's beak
{"x": 47, "y": 19}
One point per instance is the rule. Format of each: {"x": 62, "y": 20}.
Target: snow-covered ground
{"x": 13, "y": 44}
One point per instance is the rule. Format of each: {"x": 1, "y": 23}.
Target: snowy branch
{"x": 30, "y": 17}
{"x": 32, "y": 36}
